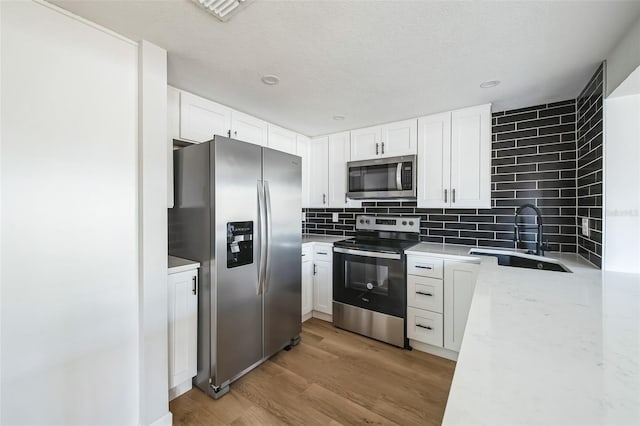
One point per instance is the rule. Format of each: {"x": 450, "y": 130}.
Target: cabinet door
{"x": 307, "y": 284}
{"x": 200, "y": 118}
{"x": 319, "y": 172}
{"x": 339, "y": 154}
{"x": 365, "y": 143}
{"x": 323, "y": 287}
{"x": 302, "y": 151}
{"x": 173, "y": 132}
{"x": 183, "y": 326}
{"x": 459, "y": 283}
{"x": 248, "y": 128}
{"x": 399, "y": 138}
{"x": 282, "y": 139}
{"x": 434, "y": 160}
{"x": 471, "y": 157}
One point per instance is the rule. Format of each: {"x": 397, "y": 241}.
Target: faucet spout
{"x": 539, "y": 234}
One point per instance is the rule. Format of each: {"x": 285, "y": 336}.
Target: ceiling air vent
{"x": 222, "y": 9}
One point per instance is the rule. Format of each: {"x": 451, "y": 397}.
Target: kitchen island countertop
{"x": 544, "y": 347}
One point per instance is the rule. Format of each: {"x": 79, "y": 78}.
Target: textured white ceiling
{"x": 373, "y": 61}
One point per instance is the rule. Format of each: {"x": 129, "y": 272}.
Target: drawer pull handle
{"x": 303, "y": 255}
{"x": 424, "y": 326}
{"x": 423, "y": 293}
{"x": 423, "y": 267}
{"x": 322, "y": 252}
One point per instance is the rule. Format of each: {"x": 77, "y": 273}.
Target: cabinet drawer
{"x": 323, "y": 253}
{"x": 425, "y": 266}
{"x": 425, "y": 293}
{"x": 307, "y": 252}
{"x": 424, "y": 326}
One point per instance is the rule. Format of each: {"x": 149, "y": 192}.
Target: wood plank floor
{"x": 332, "y": 377}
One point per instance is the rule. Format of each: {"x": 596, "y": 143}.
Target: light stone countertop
{"x": 544, "y": 347}
{"x": 316, "y": 238}
{"x": 178, "y": 264}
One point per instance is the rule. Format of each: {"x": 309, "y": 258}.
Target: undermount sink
{"x": 522, "y": 260}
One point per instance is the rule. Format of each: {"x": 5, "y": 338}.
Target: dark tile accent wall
{"x": 533, "y": 161}
{"x": 589, "y": 179}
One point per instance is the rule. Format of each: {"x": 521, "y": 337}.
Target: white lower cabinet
{"x": 183, "y": 330}
{"x": 459, "y": 283}
{"x": 317, "y": 280}
{"x": 424, "y": 326}
{"x": 323, "y": 287}
{"x": 439, "y": 294}
{"x": 307, "y": 281}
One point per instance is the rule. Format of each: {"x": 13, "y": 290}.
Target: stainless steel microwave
{"x": 393, "y": 177}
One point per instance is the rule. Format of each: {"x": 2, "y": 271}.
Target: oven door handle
{"x": 368, "y": 253}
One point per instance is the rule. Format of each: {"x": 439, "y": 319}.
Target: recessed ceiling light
{"x": 489, "y": 84}
{"x": 270, "y": 79}
{"x": 339, "y": 117}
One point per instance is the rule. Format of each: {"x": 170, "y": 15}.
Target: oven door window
{"x": 367, "y": 277}
{"x": 372, "y": 283}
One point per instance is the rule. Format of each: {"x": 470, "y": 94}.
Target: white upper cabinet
{"x": 471, "y": 157}
{"x": 399, "y": 138}
{"x": 319, "y": 172}
{"x": 247, "y": 128}
{"x": 339, "y": 154}
{"x": 302, "y": 151}
{"x": 388, "y": 140}
{"x": 434, "y": 159}
{"x": 365, "y": 143}
{"x": 282, "y": 139}
{"x": 454, "y": 159}
{"x": 200, "y": 118}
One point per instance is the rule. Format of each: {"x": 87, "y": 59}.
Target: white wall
{"x": 622, "y": 177}
{"x": 154, "y": 373}
{"x": 624, "y": 58}
{"x": 69, "y": 256}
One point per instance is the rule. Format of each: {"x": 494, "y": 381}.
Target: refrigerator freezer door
{"x": 237, "y": 317}
{"x": 282, "y": 288}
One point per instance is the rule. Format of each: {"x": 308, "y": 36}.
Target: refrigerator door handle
{"x": 267, "y": 274}
{"x": 262, "y": 219}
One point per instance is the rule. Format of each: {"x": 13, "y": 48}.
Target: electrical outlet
{"x": 334, "y": 217}
{"x": 585, "y": 226}
{"x": 304, "y": 217}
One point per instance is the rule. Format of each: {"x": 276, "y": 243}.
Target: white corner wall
{"x": 69, "y": 247}
{"x": 624, "y": 58}
{"x": 622, "y": 177}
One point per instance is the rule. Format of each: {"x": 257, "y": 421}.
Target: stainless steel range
{"x": 369, "y": 277}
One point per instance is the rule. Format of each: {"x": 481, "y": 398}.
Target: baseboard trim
{"x": 166, "y": 420}
{"x": 434, "y": 350}
{"x": 307, "y": 316}
{"x": 179, "y": 389}
{"x": 323, "y": 316}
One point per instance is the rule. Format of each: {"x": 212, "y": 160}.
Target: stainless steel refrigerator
{"x": 237, "y": 211}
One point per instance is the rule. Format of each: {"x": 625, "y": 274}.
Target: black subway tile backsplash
{"x": 548, "y": 155}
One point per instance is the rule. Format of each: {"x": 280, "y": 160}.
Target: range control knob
{"x": 410, "y": 223}
{"x": 404, "y": 222}
{"x": 361, "y": 220}
{"x": 367, "y": 221}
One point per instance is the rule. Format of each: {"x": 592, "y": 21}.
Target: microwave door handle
{"x": 399, "y": 176}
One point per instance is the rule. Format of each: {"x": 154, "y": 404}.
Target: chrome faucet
{"x": 539, "y": 235}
